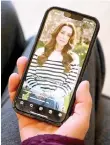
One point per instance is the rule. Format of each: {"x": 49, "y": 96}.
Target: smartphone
{"x": 56, "y": 65}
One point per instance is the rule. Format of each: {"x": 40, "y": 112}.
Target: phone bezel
{"x": 82, "y": 69}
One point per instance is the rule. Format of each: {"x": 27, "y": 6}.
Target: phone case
{"x": 81, "y": 73}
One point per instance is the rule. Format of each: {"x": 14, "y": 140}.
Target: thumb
{"x": 77, "y": 125}
{"x": 83, "y": 103}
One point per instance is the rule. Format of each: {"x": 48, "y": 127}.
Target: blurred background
{"x": 31, "y": 12}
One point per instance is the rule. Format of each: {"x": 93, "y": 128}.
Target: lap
{"x": 95, "y": 88}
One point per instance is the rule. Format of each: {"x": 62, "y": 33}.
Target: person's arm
{"x": 52, "y": 139}
{"x": 31, "y": 75}
{"x": 69, "y": 84}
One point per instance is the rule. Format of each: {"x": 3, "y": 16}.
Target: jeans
{"x": 46, "y": 102}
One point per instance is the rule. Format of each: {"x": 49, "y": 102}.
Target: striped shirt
{"x": 50, "y": 77}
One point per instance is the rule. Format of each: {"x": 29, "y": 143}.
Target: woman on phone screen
{"x": 54, "y": 69}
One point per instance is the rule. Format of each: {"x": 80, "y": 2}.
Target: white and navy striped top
{"x": 51, "y": 76}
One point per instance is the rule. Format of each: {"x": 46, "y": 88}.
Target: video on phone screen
{"x": 57, "y": 61}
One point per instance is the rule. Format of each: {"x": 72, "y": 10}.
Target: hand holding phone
{"x": 76, "y": 126}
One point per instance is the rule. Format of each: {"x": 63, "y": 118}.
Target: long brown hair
{"x": 50, "y": 47}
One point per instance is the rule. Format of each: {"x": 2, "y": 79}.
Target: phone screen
{"x": 56, "y": 63}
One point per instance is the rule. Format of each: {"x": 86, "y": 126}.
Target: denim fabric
{"x": 46, "y": 102}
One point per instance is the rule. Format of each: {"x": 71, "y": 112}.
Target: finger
{"x": 13, "y": 83}
{"x": 14, "y": 80}
{"x": 21, "y": 65}
{"x": 77, "y": 125}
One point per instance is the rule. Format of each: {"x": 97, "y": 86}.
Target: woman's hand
{"x": 76, "y": 126}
